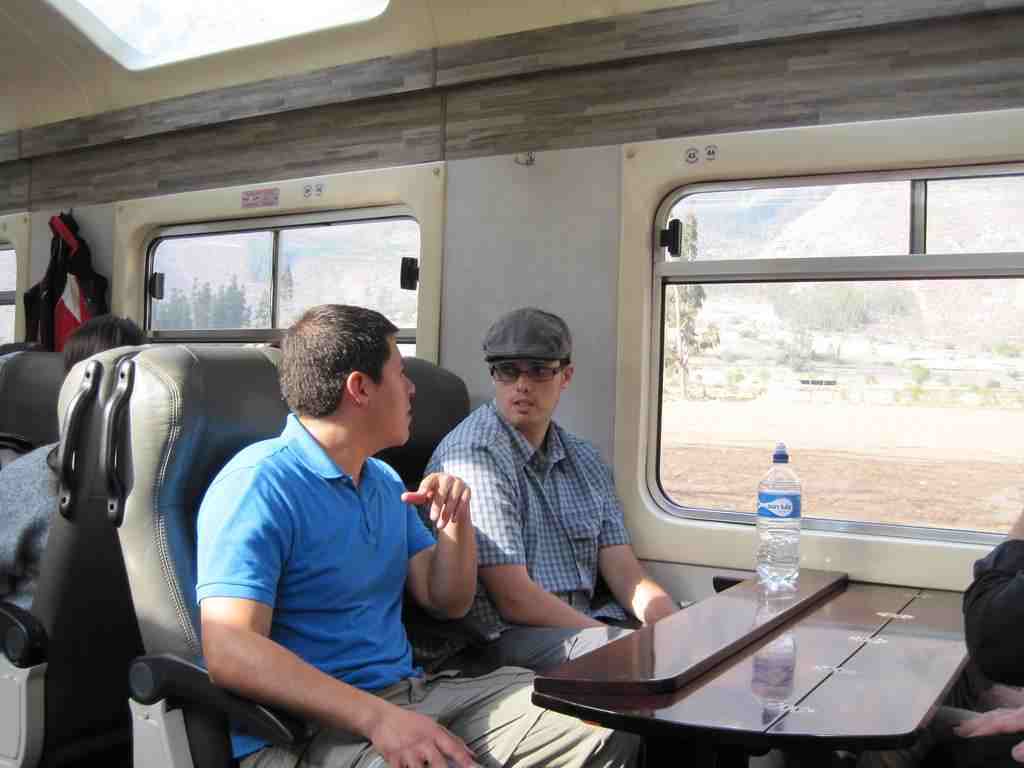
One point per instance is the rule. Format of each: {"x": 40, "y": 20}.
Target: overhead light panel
{"x": 140, "y": 34}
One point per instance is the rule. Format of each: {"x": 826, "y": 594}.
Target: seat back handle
{"x": 113, "y": 417}
{"x": 73, "y": 421}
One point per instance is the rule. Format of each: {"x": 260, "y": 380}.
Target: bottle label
{"x": 778, "y": 505}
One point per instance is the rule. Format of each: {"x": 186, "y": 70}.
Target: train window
{"x": 867, "y": 218}
{"x": 8, "y": 294}
{"x": 975, "y": 215}
{"x": 896, "y": 378}
{"x": 214, "y": 282}
{"x": 373, "y": 253}
{"x": 244, "y": 285}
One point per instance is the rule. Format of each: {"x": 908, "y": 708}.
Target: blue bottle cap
{"x": 780, "y": 456}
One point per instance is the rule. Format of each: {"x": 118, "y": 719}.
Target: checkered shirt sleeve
{"x": 613, "y": 523}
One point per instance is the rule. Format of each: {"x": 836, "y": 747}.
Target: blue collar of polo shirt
{"x": 310, "y": 452}
{"x": 555, "y": 448}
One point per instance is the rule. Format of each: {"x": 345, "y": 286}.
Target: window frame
{"x": 273, "y": 224}
{"x": 916, "y": 265}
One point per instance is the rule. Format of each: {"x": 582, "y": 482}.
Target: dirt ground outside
{"x": 911, "y": 465}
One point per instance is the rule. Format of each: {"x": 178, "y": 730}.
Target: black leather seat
{"x": 29, "y": 384}
{"x": 441, "y": 402}
{"x": 184, "y": 412}
{"x": 62, "y": 670}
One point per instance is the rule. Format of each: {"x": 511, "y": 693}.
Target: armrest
{"x": 24, "y": 637}
{"x": 165, "y": 676}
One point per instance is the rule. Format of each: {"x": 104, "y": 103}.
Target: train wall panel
{"x": 696, "y": 26}
{"x": 673, "y": 30}
{"x": 965, "y": 65}
{"x": 14, "y": 186}
{"x": 347, "y": 82}
{"x": 544, "y": 235}
{"x": 9, "y": 146}
{"x": 943, "y": 67}
{"x": 334, "y": 139}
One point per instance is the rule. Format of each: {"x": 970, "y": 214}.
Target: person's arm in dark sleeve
{"x": 994, "y": 610}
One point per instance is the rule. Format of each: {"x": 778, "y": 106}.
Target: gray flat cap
{"x": 528, "y": 333}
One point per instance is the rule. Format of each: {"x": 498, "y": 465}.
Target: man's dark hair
{"x": 98, "y": 335}
{"x": 324, "y": 346}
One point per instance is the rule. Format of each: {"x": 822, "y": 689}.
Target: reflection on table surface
{"x": 855, "y": 665}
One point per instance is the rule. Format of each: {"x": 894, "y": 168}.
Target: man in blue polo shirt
{"x": 306, "y": 547}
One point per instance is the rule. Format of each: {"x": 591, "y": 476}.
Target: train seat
{"x": 185, "y": 411}
{"x": 63, "y": 687}
{"x": 441, "y": 402}
{"x": 188, "y": 410}
{"x": 29, "y": 384}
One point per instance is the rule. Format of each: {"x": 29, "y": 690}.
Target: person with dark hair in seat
{"x": 306, "y": 545}
{"x": 29, "y": 487}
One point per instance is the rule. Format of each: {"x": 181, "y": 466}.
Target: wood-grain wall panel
{"x": 345, "y": 137}
{"x": 629, "y": 37}
{"x": 347, "y": 82}
{"x": 8, "y": 146}
{"x": 687, "y": 28}
{"x": 941, "y": 67}
{"x": 14, "y": 186}
{"x": 971, "y": 64}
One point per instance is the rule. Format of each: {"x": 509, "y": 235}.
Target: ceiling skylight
{"x": 140, "y": 34}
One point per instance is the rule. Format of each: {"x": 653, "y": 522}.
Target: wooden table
{"x": 869, "y": 666}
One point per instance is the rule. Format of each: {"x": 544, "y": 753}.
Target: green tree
{"x": 689, "y": 250}
{"x": 261, "y": 315}
{"x": 685, "y": 303}
{"x": 230, "y": 309}
{"x": 286, "y": 294}
{"x": 287, "y": 284}
{"x": 173, "y": 313}
{"x": 202, "y": 305}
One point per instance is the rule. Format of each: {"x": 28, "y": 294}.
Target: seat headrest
{"x": 29, "y": 383}
{"x": 441, "y": 402}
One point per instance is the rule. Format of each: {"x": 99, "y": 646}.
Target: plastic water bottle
{"x": 778, "y": 524}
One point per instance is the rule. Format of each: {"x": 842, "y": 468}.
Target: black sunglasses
{"x": 509, "y": 372}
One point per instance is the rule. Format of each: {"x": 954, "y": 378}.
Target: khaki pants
{"x": 491, "y": 713}
{"x": 536, "y": 648}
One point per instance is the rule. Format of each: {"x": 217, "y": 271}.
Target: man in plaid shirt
{"x": 548, "y": 519}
